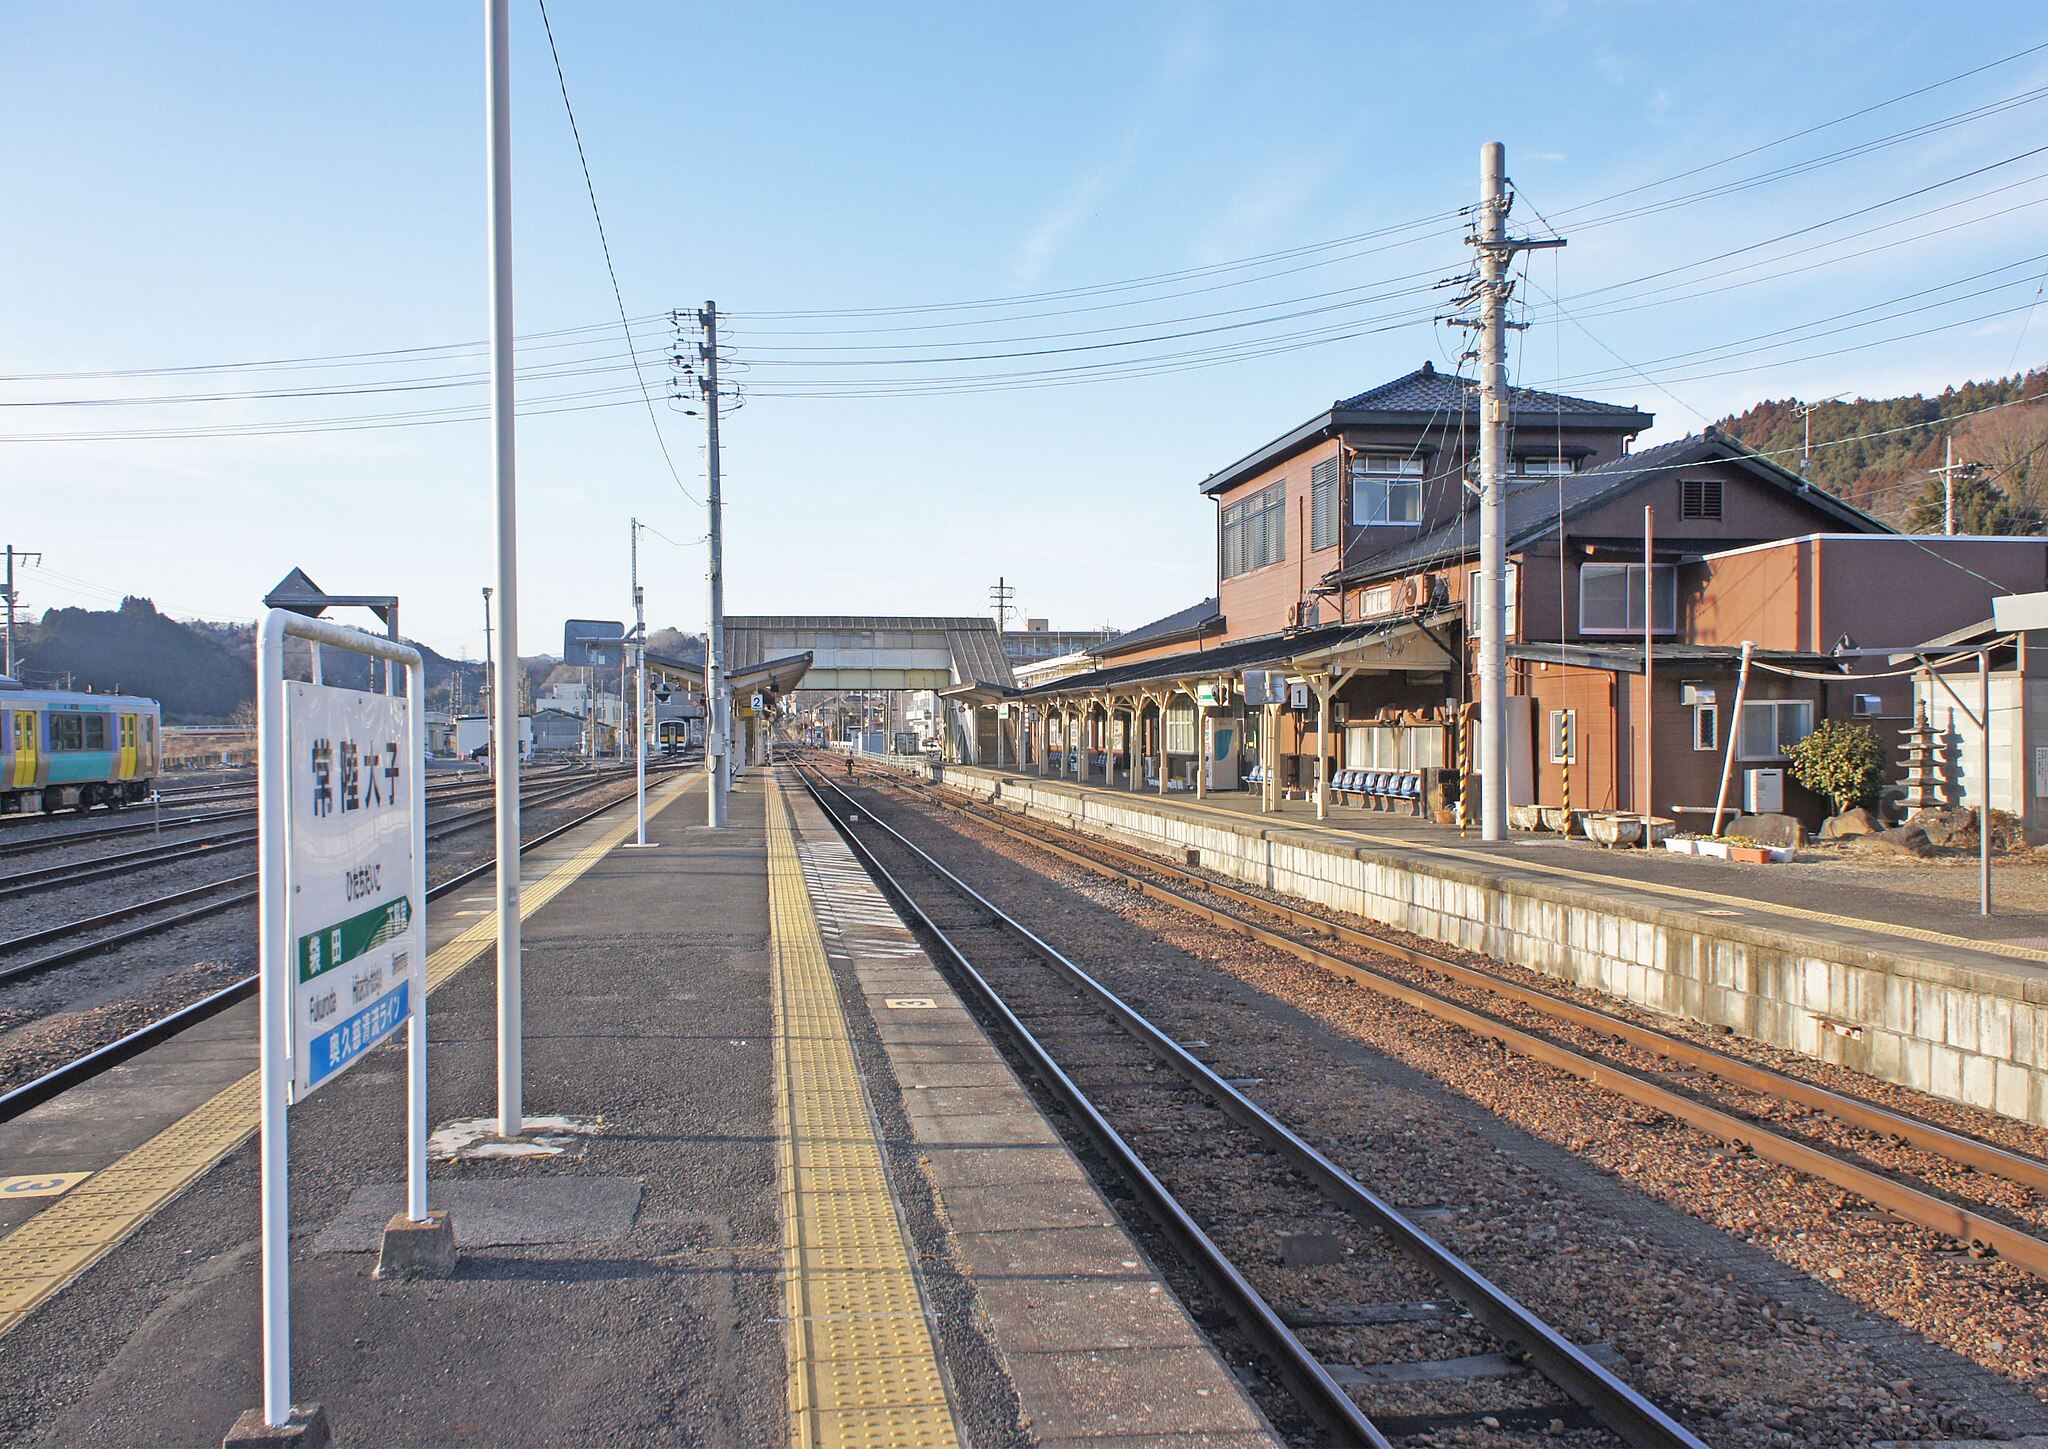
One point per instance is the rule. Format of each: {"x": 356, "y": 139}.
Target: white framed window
{"x": 1386, "y": 489}
{"x": 1253, "y": 531}
{"x": 1611, "y": 599}
{"x": 1552, "y": 467}
{"x": 1564, "y": 736}
{"x": 1771, "y": 726}
{"x": 1180, "y": 730}
{"x": 1472, "y": 611}
{"x": 1379, "y": 599}
{"x": 1706, "y": 726}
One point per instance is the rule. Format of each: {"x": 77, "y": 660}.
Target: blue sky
{"x": 194, "y": 185}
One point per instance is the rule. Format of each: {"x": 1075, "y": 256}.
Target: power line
{"x": 610, "y": 270}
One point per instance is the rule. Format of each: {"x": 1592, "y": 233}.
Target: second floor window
{"x": 1611, "y": 599}
{"x": 1254, "y": 531}
{"x": 1386, "y": 488}
{"x": 1552, "y": 467}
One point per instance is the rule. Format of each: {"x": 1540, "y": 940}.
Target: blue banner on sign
{"x": 333, "y": 1050}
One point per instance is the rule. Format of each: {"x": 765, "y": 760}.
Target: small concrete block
{"x": 306, "y": 1428}
{"x": 418, "y": 1250}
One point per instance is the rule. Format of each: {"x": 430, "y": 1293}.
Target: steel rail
{"x": 58, "y": 1080}
{"x": 1915, "y": 1205}
{"x": 53, "y": 877}
{"x": 1614, "y": 1403}
{"x": 1300, "y": 1371}
{"x": 469, "y": 820}
{"x": 442, "y": 792}
{"x": 1884, "y": 1121}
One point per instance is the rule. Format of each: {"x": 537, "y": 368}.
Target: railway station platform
{"x": 801, "y": 1199}
{"x": 1899, "y": 986}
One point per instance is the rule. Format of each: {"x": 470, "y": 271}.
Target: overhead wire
{"x": 590, "y": 187}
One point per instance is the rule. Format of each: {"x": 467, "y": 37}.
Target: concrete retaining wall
{"x": 1974, "y": 1033}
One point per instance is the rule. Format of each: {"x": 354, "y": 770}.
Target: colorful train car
{"x": 64, "y": 751}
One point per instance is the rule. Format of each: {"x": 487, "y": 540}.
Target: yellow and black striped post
{"x": 1465, "y": 768}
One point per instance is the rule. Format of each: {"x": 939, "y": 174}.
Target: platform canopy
{"x": 872, "y": 652}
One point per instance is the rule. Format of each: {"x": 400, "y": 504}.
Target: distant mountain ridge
{"x": 1886, "y": 475}
{"x": 203, "y": 672}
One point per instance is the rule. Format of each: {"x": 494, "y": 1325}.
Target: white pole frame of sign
{"x": 275, "y": 960}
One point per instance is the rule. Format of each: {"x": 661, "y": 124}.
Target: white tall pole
{"x": 717, "y": 708}
{"x": 639, "y": 693}
{"x": 1494, "y": 257}
{"x": 273, "y": 1027}
{"x": 505, "y": 736}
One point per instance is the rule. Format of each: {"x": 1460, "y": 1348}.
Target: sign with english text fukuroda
{"x": 353, "y": 911}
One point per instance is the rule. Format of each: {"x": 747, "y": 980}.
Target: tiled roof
{"x": 1180, "y": 622}
{"x": 1209, "y": 663}
{"x": 1426, "y": 390}
{"x": 1533, "y": 506}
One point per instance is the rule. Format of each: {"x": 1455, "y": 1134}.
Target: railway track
{"x": 1237, "y": 1171}
{"x": 89, "y": 1065}
{"x": 54, "y": 837}
{"x": 101, "y": 867}
{"x": 102, "y": 931}
{"x": 1349, "y": 951}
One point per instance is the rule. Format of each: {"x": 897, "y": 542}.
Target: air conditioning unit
{"x": 1763, "y": 791}
{"x": 1863, "y": 706}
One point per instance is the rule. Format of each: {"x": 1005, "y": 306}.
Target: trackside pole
{"x": 274, "y": 1025}
{"x": 505, "y": 742}
{"x": 416, "y": 1029}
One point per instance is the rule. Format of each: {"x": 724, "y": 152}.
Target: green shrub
{"x": 1844, "y": 762}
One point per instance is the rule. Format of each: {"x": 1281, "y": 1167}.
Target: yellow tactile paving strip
{"x": 63, "y": 1240}
{"x": 863, "y": 1369}
{"x": 1748, "y": 903}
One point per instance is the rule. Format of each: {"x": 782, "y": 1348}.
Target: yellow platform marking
{"x": 863, "y": 1370}
{"x": 63, "y": 1240}
{"x": 1748, "y": 903}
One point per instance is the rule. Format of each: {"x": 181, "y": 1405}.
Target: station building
{"x": 1346, "y": 554}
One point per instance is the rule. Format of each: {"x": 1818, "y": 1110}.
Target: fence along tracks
{"x": 1317, "y": 1386}
{"x": 1248, "y": 912}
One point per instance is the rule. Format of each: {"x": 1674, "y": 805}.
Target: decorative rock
{"x": 1778, "y": 830}
{"x": 1850, "y": 823}
{"x": 1905, "y": 840}
{"x": 1952, "y": 826}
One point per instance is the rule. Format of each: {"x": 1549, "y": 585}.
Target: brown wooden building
{"x": 1346, "y": 550}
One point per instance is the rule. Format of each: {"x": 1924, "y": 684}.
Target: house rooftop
{"x": 1427, "y": 398}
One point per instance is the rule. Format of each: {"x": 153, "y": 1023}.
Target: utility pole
{"x": 639, "y": 692}
{"x": 505, "y": 683}
{"x": 715, "y": 707}
{"x": 1491, "y": 291}
{"x": 490, "y": 760}
{"x": 1947, "y": 473}
{"x": 24, "y": 555}
{"x": 1000, "y": 599}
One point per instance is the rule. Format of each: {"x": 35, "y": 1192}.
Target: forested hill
{"x": 1885, "y": 475}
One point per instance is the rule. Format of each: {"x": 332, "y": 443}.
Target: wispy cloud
{"x": 1184, "y": 60}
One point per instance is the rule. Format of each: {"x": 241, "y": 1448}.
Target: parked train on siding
{"x": 64, "y": 751}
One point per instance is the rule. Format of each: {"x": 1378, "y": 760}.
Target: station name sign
{"x": 353, "y": 906}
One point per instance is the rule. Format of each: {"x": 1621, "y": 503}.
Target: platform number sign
{"x": 355, "y": 889}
